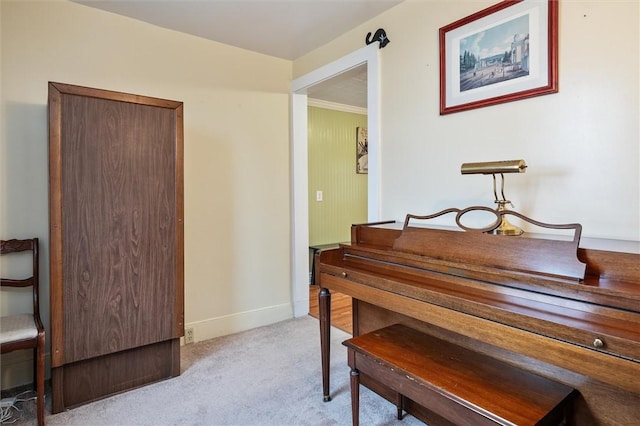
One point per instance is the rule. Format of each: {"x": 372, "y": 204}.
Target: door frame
{"x": 369, "y": 56}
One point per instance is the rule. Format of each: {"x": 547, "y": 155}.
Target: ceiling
{"x": 285, "y": 29}
{"x": 348, "y": 88}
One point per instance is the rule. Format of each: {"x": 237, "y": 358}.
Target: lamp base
{"x": 506, "y": 228}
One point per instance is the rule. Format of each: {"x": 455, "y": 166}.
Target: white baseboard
{"x": 241, "y": 321}
{"x": 301, "y": 308}
{"x": 17, "y": 368}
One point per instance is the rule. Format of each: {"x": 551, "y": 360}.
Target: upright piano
{"x": 540, "y": 302}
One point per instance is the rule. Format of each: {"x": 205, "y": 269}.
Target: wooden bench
{"x": 458, "y": 384}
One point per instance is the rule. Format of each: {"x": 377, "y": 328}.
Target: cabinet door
{"x": 116, "y": 222}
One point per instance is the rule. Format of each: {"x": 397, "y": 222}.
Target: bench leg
{"x": 400, "y": 405}
{"x": 355, "y": 396}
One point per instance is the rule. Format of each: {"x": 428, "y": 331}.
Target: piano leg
{"x": 324, "y": 304}
{"x": 355, "y": 397}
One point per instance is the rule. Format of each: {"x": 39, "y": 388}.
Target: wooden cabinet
{"x": 116, "y": 241}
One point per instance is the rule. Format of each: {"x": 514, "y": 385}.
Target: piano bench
{"x": 458, "y": 384}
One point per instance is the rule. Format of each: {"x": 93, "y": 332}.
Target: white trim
{"x": 368, "y": 55}
{"x": 336, "y": 106}
{"x": 299, "y": 206}
{"x": 17, "y": 368}
{"x": 237, "y": 322}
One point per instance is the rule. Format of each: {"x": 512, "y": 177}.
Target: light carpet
{"x": 266, "y": 376}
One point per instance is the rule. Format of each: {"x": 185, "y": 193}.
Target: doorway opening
{"x": 366, "y": 56}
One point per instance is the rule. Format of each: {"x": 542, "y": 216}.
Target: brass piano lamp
{"x": 493, "y": 168}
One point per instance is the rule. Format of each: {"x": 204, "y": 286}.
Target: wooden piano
{"x": 542, "y": 304}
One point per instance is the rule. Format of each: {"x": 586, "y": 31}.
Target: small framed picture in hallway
{"x": 362, "y": 150}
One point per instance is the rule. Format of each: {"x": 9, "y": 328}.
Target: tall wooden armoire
{"x": 116, "y": 241}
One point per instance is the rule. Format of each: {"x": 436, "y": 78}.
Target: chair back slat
{"x": 8, "y": 282}
{"x": 23, "y": 245}
{"x": 16, "y": 336}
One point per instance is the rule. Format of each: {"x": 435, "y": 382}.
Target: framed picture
{"x": 504, "y": 53}
{"x": 362, "y": 150}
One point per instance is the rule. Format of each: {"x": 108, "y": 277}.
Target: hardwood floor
{"x": 340, "y": 309}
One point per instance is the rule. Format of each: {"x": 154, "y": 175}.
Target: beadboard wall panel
{"x": 332, "y": 170}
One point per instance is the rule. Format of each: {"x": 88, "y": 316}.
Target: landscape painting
{"x": 504, "y": 53}
{"x": 494, "y": 55}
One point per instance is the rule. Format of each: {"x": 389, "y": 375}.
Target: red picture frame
{"x": 504, "y": 53}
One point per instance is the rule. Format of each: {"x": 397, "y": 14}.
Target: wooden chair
{"x": 25, "y": 331}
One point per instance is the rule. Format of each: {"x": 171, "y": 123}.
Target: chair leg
{"x": 39, "y": 372}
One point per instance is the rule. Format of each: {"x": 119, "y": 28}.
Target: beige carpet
{"x": 266, "y": 376}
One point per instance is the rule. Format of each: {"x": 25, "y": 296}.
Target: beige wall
{"x": 236, "y": 132}
{"x": 582, "y": 144}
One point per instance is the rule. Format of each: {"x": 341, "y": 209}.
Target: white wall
{"x": 581, "y": 144}
{"x": 236, "y": 133}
